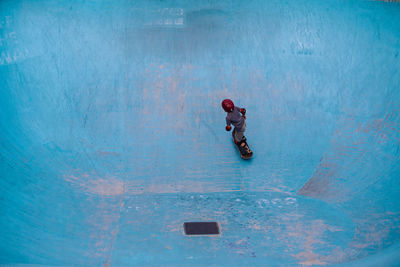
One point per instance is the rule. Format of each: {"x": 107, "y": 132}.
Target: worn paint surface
{"x": 112, "y": 134}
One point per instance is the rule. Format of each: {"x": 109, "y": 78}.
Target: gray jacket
{"x": 235, "y": 118}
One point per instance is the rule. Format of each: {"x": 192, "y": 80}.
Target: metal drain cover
{"x": 201, "y": 228}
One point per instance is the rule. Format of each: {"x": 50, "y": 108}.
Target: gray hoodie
{"x": 235, "y": 118}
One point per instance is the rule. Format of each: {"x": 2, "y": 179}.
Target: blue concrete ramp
{"x": 112, "y": 134}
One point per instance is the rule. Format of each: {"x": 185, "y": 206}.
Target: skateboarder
{"x": 237, "y": 117}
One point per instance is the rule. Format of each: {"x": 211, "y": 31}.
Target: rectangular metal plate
{"x": 201, "y": 228}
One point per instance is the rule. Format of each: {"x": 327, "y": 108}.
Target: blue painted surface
{"x": 112, "y": 134}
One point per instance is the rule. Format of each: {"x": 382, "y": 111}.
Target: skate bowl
{"x": 113, "y": 135}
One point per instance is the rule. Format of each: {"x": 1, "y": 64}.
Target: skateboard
{"x": 245, "y": 151}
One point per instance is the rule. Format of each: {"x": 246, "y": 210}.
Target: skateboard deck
{"x": 245, "y": 151}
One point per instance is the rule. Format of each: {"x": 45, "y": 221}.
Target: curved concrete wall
{"x": 112, "y": 133}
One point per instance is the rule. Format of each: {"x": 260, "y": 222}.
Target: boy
{"x": 236, "y": 116}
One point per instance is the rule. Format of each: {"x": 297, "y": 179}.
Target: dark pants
{"x": 238, "y": 134}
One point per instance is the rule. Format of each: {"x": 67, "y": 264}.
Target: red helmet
{"x": 228, "y": 105}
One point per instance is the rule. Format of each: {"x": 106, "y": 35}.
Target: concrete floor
{"x": 112, "y": 134}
